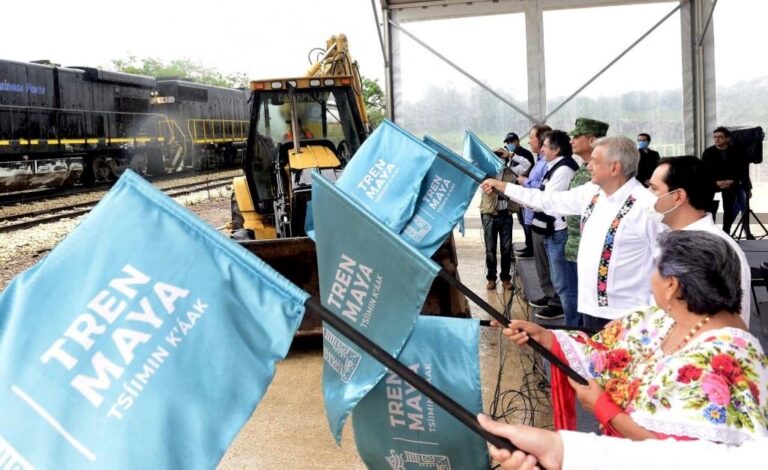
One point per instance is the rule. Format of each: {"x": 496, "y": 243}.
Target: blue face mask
{"x": 642, "y": 144}
{"x": 511, "y": 147}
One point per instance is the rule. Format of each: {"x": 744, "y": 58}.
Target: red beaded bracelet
{"x": 605, "y": 409}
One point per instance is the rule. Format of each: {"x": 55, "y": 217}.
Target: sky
{"x": 272, "y": 39}
{"x": 262, "y": 39}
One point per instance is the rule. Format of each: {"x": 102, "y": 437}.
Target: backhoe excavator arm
{"x": 337, "y": 61}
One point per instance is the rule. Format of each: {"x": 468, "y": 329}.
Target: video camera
{"x": 750, "y": 141}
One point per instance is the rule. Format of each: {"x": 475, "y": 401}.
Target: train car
{"x": 59, "y": 125}
{"x": 208, "y": 124}
{"x": 62, "y": 125}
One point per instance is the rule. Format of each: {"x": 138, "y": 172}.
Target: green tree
{"x": 179, "y": 68}
{"x": 375, "y": 102}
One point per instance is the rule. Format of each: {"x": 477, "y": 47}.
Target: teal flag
{"x": 386, "y": 172}
{"x": 145, "y": 339}
{"x": 396, "y": 427}
{"x": 481, "y": 156}
{"x": 374, "y": 281}
{"x": 444, "y": 197}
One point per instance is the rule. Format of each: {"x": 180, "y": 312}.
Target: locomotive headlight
{"x": 314, "y": 82}
{"x": 276, "y": 85}
{"x": 328, "y": 81}
{"x": 292, "y": 83}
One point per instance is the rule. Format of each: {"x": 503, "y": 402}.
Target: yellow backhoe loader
{"x": 297, "y": 125}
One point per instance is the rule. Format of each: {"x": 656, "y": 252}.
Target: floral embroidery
{"x": 605, "y": 259}
{"x": 715, "y": 414}
{"x": 588, "y": 212}
{"x": 688, "y": 374}
{"x": 710, "y": 389}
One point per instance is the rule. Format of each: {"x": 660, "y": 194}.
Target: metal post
{"x": 462, "y": 71}
{"x": 610, "y": 64}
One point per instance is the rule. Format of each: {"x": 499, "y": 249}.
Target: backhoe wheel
{"x": 343, "y": 153}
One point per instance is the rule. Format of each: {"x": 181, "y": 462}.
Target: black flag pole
{"x": 488, "y": 308}
{"x": 492, "y": 311}
{"x": 415, "y": 380}
{"x": 471, "y": 175}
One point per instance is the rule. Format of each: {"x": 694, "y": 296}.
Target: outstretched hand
{"x": 520, "y": 331}
{"x": 490, "y": 184}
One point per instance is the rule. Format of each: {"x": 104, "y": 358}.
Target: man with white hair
{"x": 618, "y": 235}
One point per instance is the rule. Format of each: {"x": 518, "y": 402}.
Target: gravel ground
{"x": 22, "y": 249}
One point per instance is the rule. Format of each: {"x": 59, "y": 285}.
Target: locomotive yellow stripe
{"x": 92, "y": 141}
{"x": 211, "y": 141}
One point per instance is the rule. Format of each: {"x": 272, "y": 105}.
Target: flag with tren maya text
{"x": 445, "y": 194}
{"x": 145, "y": 339}
{"x": 374, "y": 281}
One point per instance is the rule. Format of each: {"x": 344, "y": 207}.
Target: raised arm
{"x": 571, "y": 202}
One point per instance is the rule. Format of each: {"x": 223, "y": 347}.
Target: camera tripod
{"x": 739, "y": 229}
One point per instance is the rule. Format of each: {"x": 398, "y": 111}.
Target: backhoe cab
{"x": 297, "y": 125}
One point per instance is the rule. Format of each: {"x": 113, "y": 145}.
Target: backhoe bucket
{"x": 296, "y": 259}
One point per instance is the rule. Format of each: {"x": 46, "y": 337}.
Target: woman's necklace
{"x": 687, "y": 337}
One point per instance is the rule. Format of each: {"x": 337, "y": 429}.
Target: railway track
{"x": 28, "y": 197}
{"x": 34, "y": 218}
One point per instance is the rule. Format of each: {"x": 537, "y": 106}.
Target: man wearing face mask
{"x": 496, "y": 215}
{"x": 684, "y": 187}
{"x": 648, "y": 158}
{"x": 520, "y": 161}
{"x": 512, "y": 148}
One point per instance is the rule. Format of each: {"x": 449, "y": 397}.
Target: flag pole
{"x": 471, "y": 175}
{"x": 487, "y": 308}
{"x": 433, "y": 393}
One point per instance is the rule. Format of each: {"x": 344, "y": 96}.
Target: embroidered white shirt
{"x": 628, "y": 282}
{"x": 706, "y": 224}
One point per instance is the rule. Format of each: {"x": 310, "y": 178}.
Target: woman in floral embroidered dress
{"x": 689, "y": 371}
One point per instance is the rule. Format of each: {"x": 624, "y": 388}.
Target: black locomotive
{"x": 62, "y": 125}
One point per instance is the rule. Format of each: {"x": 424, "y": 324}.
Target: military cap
{"x": 589, "y": 126}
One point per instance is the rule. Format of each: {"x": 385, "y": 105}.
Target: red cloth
{"x": 605, "y": 410}
{"x": 563, "y": 395}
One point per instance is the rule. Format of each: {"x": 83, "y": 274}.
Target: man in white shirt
{"x": 685, "y": 188}
{"x": 579, "y": 451}
{"x": 615, "y": 258}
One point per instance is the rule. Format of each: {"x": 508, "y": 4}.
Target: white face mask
{"x": 656, "y": 216}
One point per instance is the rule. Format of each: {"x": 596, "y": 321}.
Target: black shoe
{"x": 524, "y": 254}
{"x": 749, "y": 236}
{"x": 550, "y": 313}
{"x": 541, "y": 303}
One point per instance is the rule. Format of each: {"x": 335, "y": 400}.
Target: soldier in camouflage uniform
{"x": 582, "y": 137}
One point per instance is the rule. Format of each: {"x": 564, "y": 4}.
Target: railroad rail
{"x": 28, "y": 197}
{"x": 34, "y": 218}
